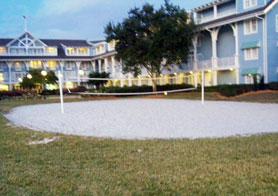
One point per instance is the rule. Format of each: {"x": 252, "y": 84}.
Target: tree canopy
{"x": 152, "y": 39}
{"x": 38, "y": 79}
{"x": 98, "y": 83}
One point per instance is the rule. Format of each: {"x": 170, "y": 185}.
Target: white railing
{"x": 219, "y": 15}
{"x": 204, "y": 64}
{"x": 227, "y": 61}
{"x": 226, "y": 13}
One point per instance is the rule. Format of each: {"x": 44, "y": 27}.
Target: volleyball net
{"x": 191, "y": 80}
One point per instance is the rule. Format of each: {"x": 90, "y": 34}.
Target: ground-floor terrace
{"x": 76, "y": 72}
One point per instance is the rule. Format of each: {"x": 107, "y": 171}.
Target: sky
{"x": 71, "y": 19}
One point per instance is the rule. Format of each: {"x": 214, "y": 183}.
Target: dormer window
{"x": 249, "y": 4}
{"x": 83, "y": 51}
{"x": 70, "y": 51}
{"x": 51, "y": 50}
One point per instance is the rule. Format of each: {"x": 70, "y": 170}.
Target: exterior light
{"x": 249, "y": 74}
{"x": 29, "y": 76}
{"x": 161, "y": 75}
{"x": 165, "y": 93}
{"x": 20, "y": 79}
{"x": 209, "y": 71}
{"x": 231, "y": 69}
{"x": 175, "y": 74}
{"x": 81, "y": 72}
{"x": 44, "y": 73}
{"x": 191, "y": 72}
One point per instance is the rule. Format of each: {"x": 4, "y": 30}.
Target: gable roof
{"x": 26, "y": 34}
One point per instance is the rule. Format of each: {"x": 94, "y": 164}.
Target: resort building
{"x": 237, "y": 39}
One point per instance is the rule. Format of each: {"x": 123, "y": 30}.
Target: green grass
{"x": 76, "y": 165}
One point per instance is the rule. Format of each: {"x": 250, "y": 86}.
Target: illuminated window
{"x": 52, "y": 65}
{"x": 35, "y": 64}
{"x": 51, "y": 50}
{"x": 70, "y": 51}
{"x": 17, "y": 66}
{"x": 2, "y": 50}
{"x": 83, "y": 51}
{"x": 1, "y": 77}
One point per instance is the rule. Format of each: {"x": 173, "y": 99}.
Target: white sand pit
{"x": 150, "y": 118}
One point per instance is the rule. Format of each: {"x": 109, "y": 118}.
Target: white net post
{"x": 61, "y": 91}
{"x": 203, "y": 88}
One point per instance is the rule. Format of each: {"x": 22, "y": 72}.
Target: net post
{"x": 61, "y": 91}
{"x": 203, "y": 88}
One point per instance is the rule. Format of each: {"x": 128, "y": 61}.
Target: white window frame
{"x": 249, "y": 24}
{"x": 254, "y": 54}
{"x": 251, "y": 3}
{"x": 248, "y": 79}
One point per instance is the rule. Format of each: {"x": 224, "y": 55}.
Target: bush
{"x": 144, "y": 88}
{"x": 231, "y": 90}
{"x": 18, "y": 94}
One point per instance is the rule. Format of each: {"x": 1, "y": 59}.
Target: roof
{"x": 239, "y": 15}
{"x": 251, "y": 70}
{"x": 54, "y": 43}
{"x": 210, "y": 4}
{"x": 4, "y": 42}
{"x": 72, "y": 43}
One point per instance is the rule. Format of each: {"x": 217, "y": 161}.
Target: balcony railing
{"x": 219, "y": 15}
{"x": 225, "y": 62}
{"x": 204, "y": 64}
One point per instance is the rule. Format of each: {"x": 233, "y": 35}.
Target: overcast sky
{"x": 70, "y": 19}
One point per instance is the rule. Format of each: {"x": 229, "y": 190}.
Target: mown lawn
{"x": 74, "y": 165}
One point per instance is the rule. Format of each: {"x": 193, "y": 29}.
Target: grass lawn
{"x": 74, "y": 165}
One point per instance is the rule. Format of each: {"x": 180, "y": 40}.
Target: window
{"x": 276, "y": 22}
{"x": 51, "y": 50}
{"x": 70, "y": 51}
{"x": 250, "y": 26}
{"x": 249, "y": 4}
{"x": 83, "y": 51}
{"x": 251, "y": 54}
{"x": 1, "y": 77}
{"x": 51, "y": 65}
{"x": 35, "y": 64}
{"x": 248, "y": 79}
{"x": 2, "y": 50}
{"x": 17, "y": 66}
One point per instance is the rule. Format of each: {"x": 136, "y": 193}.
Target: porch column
{"x": 62, "y": 65}
{"x": 195, "y": 45}
{"x": 27, "y": 64}
{"x": 113, "y": 65}
{"x": 129, "y": 81}
{"x": 94, "y": 66}
{"x": 139, "y": 81}
{"x": 215, "y": 11}
{"x": 10, "y": 75}
{"x": 235, "y": 31}
{"x": 195, "y": 79}
{"x": 99, "y": 65}
{"x": 78, "y": 63}
{"x": 44, "y": 65}
{"x": 214, "y": 60}
{"x": 106, "y": 65}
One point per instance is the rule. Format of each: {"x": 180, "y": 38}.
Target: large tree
{"x": 37, "y": 79}
{"x": 152, "y": 39}
{"x": 98, "y": 83}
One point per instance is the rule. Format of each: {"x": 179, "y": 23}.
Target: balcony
{"x": 226, "y": 62}
{"x": 215, "y": 17}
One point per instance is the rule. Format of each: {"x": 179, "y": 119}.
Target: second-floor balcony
{"x": 203, "y": 19}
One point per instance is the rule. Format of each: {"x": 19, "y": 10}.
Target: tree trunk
{"x": 154, "y": 82}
